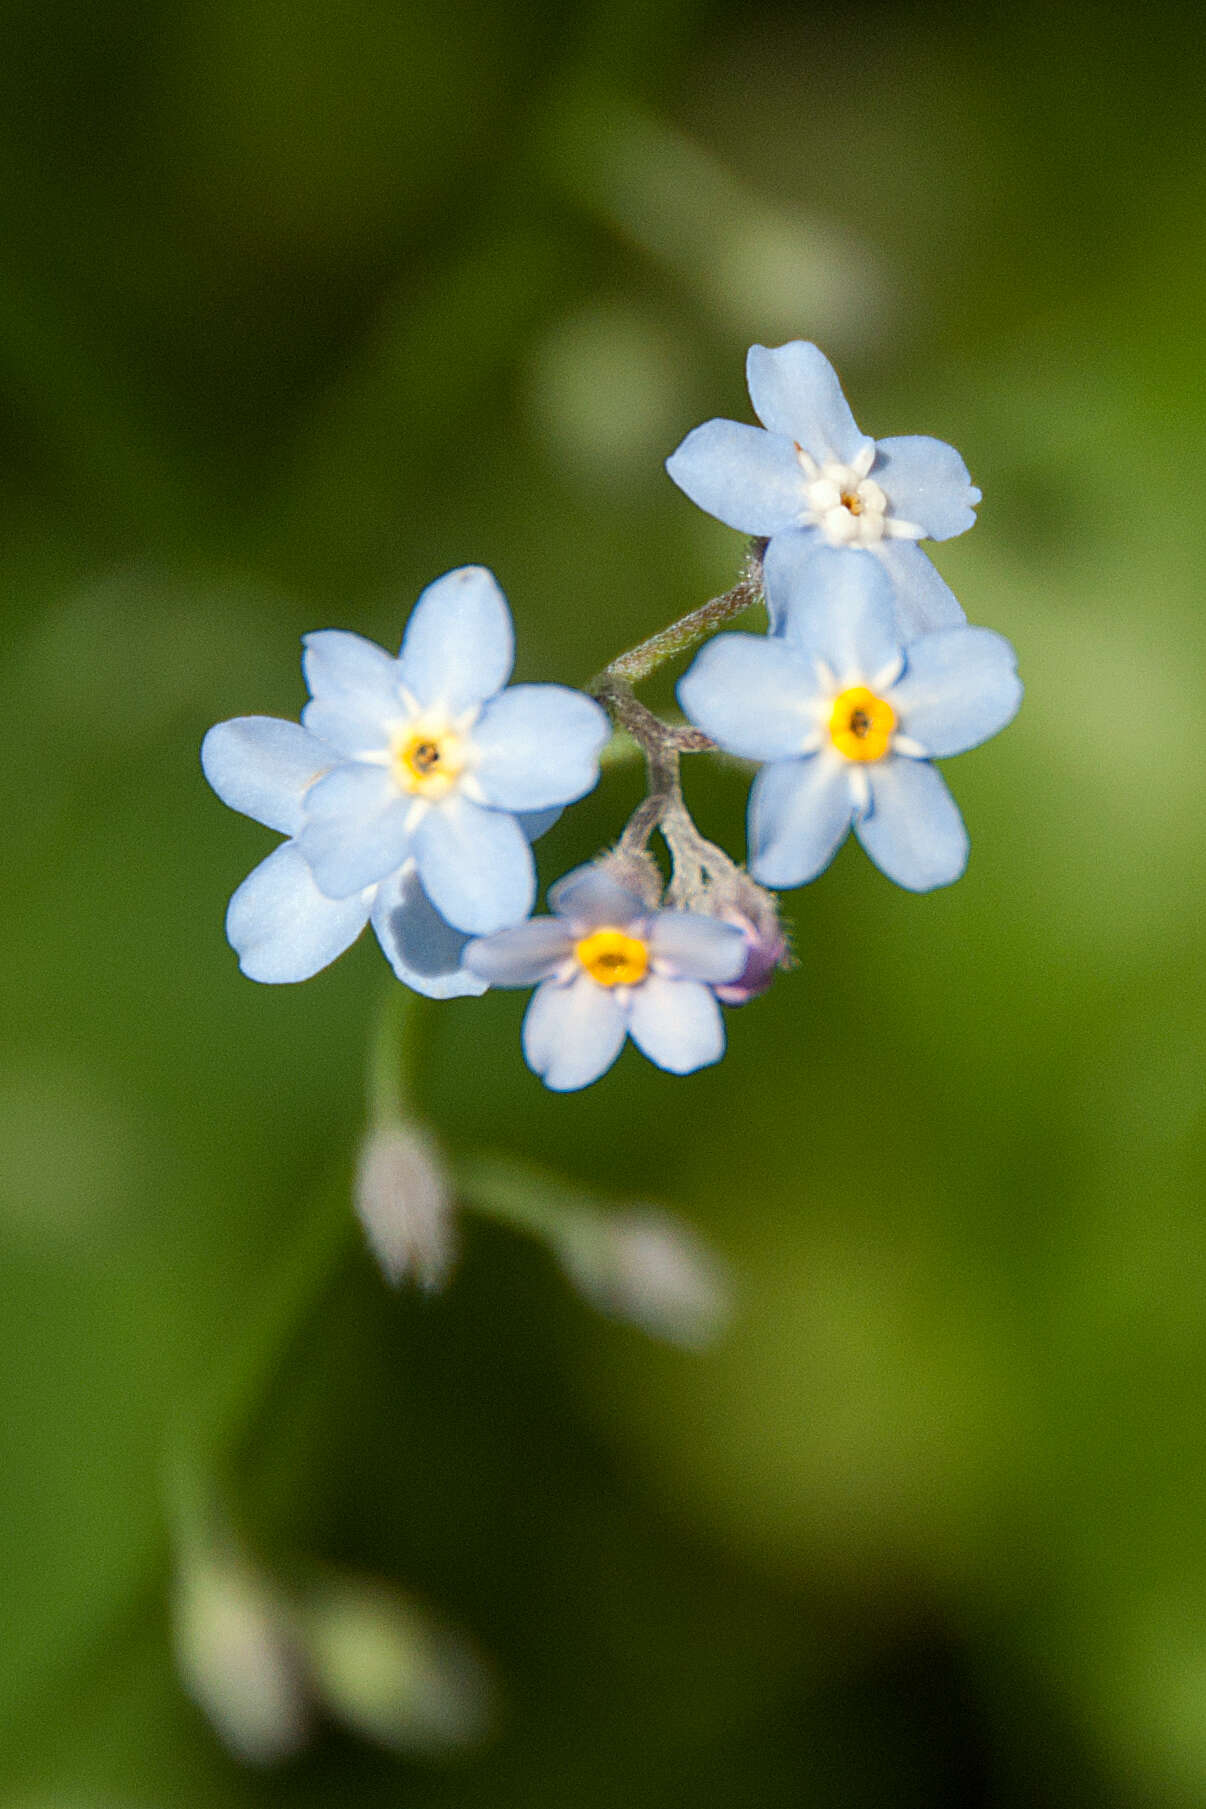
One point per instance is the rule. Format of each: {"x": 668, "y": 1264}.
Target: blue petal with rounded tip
{"x": 475, "y": 864}
{"x": 459, "y": 645}
{"x": 795, "y": 391}
{"x": 284, "y": 929}
{"x": 353, "y": 688}
{"x": 524, "y": 955}
{"x": 677, "y": 1023}
{"x": 924, "y": 601}
{"x": 926, "y": 481}
{"x": 696, "y": 947}
{"x": 425, "y": 952}
{"x": 799, "y": 814}
{"x": 355, "y": 828}
{"x": 591, "y": 898}
{"x": 755, "y": 695}
{"x": 746, "y": 477}
{"x": 836, "y": 605}
{"x": 264, "y": 767}
{"x": 959, "y": 687}
{"x": 913, "y": 831}
{"x": 573, "y": 1033}
{"x": 538, "y": 745}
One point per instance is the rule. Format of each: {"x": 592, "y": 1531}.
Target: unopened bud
{"x": 727, "y": 891}
{"x": 237, "y": 1656}
{"x": 393, "y": 1672}
{"x": 403, "y": 1201}
{"x": 647, "y": 1268}
{"x": 766, "y": 951}
{"x": 635, "y": 870}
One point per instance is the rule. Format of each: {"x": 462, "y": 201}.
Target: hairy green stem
{"x": 645, "y": 658}
{"x": 664, "y": 743}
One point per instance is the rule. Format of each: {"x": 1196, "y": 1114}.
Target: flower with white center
{"x": 606, "y": 966}
{"x": 848, "y": 717}
{"x": 809, "y": 470}
{"x": 410, "y": 793}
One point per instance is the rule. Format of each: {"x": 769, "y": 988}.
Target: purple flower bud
{"x": 766, "y": 950}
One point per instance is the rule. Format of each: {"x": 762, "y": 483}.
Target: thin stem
{"x": 518, "y": 1194}
{"x": 393, "y": 1054}
{"x": 639, "y": 661}
{"x": 663, "y": 743}
{"x": 214, "y": 1429}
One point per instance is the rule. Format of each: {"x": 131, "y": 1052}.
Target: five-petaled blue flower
{"x": 409, "y": 792}
{"x": 808, "y": 470}
{"x": 607, "y": 966}
{"x": 848, "y": 717}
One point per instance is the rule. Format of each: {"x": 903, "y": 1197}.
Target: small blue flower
{"x": 808, "y": 470}
{"x": 410, "y": 793}
{"x": 607, "y": 966}
{"x": 280, "y": 925}
{"x": 848, "y": 718}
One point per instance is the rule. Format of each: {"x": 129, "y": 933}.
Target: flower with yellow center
{"x": 861, "y": 724}
{"x": 613, "y": 958}
{"x": 427, "y": 758}
{"x": 608, "y": 965}
{"x": 433, "y": 759}
{"x": 847, "y": 717}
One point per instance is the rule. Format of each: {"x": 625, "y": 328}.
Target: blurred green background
{"x": 301, "y": 306}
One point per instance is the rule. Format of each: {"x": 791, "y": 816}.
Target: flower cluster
{"x": 413, "y": 787}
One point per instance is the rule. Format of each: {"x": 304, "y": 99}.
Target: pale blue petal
{"x": 799, "y": 813}
{"x": 926, "y": 481}
{"x": 536, "y": 823}
{"x": 459, "y": 645}
{"x": 677, "y": 1023}
{"x": 795, "y": 391}
{"x": 924, "y": 601}
{"x": 837, "y": 606}
{"x": 538, "y": 745}
{"x": 355, "y": 829}
{"x": 959, "y": 687}
{"x": 744, "y": 476}
{"x": 695, "y": 947}
{"x": 786, "y": 574}
{"x": 263, "y": 767}
{"x": 522, "y": 956}
{"x": 755, "y": 695}
{"x": 353, "y": 688}
{"x": 589, "y": 898}
{"x": 913, "y": 831}
{"x": 426, "y": 953}
{"x": 572, "y": 1034}
{"x": 476, "y": 865}
{"x": 283, "y": 928}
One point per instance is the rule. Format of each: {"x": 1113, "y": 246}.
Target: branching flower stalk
{"x": 693, "y": 858}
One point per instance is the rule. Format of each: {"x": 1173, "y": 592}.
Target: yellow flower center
{"x": 853, "y": 501}
{"x": 861, "y": 724}
{"x": 613, "y": 958}
{"x": 427, "y": 761}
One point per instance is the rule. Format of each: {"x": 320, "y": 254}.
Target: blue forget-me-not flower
{"x": 808, "y": 470}
{"x": 409, "y": 792}
{"x": 607, "y": 965}
{"x": 848, "y": 715}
